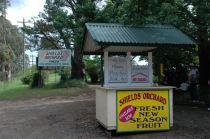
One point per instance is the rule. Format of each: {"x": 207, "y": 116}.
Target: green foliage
{"x": 15, "y": 90}
{"x": 1, "y": 76}
{"x": 93, "y": 67}
{"x": 72, "y": 83}
{"x": 13, "y": 37}
{"x": 11, "y": 46}
{"x": 3, "y": 6}
{"x": 35, "y": 79}
{"x": 27, "y": 79}
{"x": 61, "y": 25}
{"x": 39, "y": 79}
{"x": 65, "y": 74}
{"x": 6, "y": 53}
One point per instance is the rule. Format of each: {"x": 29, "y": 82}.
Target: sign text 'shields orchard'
{"x": 54, "y": 58}
{"x": 142, "y": 111}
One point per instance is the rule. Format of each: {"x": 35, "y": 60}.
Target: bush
{"x": 65, "y": 74}
{"x": 39, "y": 79}
{"x": 93, "y": 73}
{"x": 73, "y": 83}
{"x": 27, "y": 79}
{"x": 1, "y": 76}
{"x": 34, "y": 79}
{"x": 93, "y": 67}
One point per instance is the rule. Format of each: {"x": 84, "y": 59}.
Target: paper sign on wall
{"x": 118, "y": 69}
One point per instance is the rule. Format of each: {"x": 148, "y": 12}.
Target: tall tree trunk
{"x": 204, "y": 63}
{"x": 76, "y": 70}
{"x": 6, "y": 71}
{"x": 203, "y": 52}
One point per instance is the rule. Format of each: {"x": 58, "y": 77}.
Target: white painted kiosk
{"x": 128, "y": 100}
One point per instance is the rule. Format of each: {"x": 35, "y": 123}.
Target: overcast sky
{"x": 27, "y": 9}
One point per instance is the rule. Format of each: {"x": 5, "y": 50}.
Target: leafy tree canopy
{"x": 62, "y": 25}
{"x": 12, "y": 36}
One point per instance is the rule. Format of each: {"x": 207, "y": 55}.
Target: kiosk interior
{"x": 128, "y": 100}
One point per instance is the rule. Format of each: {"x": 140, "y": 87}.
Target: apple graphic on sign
{"x": 127, "y": 113}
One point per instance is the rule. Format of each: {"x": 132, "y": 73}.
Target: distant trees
{"x": 62, "y": 26}
{"x": 3, "y": 6}
{"x": 11, "y": 49}
{"x": 191, "y": 16}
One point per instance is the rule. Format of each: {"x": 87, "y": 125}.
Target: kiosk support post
{"x": 150, "y": 67}
{"x": 129, "y": 66}
{"x": 102, "y": 70}
{"x": 106, "y": 55}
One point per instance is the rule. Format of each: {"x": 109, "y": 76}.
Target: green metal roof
{"x": 106, "y": 34}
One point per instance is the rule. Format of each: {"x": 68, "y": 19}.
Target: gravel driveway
{"x": 74, "y": 118}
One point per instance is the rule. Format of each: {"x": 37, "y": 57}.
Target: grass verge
{"x": 15, "y": 90}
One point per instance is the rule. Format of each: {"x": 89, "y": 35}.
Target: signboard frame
{"x": 117, "y": 111}
{"x": 64, "y": 61}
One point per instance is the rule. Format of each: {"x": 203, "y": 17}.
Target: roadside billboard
{"x": 54, "y": 58}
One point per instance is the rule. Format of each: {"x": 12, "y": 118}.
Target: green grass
{"x": 15, "y": 90}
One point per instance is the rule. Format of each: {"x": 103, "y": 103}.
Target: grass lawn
{"x": 15, "y": 90}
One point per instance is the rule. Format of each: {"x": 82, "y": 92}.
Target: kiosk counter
{"x": 128, "y": 109}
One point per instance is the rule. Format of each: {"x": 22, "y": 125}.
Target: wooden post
{"x": 106, "y": 72}
{"x": 102, "y": 71}
{"x": 129, "y": 64}
{"x": 150, "y": 68}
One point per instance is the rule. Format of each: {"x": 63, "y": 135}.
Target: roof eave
{"x": 143, "y": 44}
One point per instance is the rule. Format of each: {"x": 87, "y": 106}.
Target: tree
{"x": 141, "y": 12}
{"x": 10, "y": 47}
{"x": 93, "y": 67}
{"x": 62, "y": 26}
{"x": 3, "y": 6}
{"x": 200, "y": 16}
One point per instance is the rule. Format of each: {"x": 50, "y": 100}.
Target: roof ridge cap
{"x": 130, "y": 26}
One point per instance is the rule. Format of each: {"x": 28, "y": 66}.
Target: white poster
{"x": 140, "y": 73}
{"x": 117, "y": 69}
{"x": 52, "y": 58}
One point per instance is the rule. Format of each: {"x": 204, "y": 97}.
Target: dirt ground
{"x": 74, "y": 118}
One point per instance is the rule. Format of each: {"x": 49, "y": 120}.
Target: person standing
{"x": 193, "y": 80}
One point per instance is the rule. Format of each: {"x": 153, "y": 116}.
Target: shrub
{"x": 65, "y": 74}
{"x": 39, "y": 79}
{"x": 93, "y": 73}
{"x": 27, "y": 79}
{"x": 1, "y": 76}
{"x": 93, "y": 67}
{"x": 73, "y": 83}
{"x": 34, "y": 79}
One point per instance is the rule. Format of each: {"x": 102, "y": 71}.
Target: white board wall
{"x": 118, "y": 71}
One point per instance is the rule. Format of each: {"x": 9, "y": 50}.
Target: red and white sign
{"x": 140, "y": 77}
{"x": 140, "y": 74}
{"x": 54, "y": 58}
